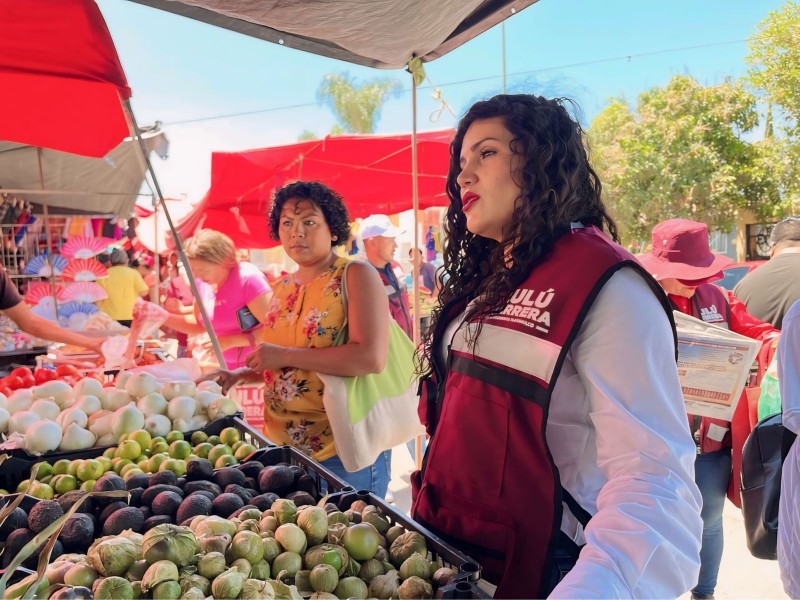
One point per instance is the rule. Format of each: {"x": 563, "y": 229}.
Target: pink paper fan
{"x": 84, "y": 269}
{"x": 39, "y": 290}
{"x": 84, "y": 247}
{"x": 84, "y": 291}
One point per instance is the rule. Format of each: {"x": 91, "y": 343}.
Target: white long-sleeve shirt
{"x": 789, "y": 509}
{"x": 619, "y": 435}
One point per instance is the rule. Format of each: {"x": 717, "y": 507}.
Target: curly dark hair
{"x": 558, "y": 187}
{"x": 329, "y": 202}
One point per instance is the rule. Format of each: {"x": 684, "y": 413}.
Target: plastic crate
{"x": 468, "y": 570}
{"x": 17, "y": 467}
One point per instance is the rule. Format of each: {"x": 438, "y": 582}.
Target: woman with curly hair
{"x": 304, "y": 316}
{"x": 550, "y": 388}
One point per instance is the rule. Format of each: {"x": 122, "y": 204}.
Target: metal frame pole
{"x": 178, "y": 244}
{"x": 414, "y": 266}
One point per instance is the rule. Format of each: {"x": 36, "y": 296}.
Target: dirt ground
{"x": 741, "y": 576}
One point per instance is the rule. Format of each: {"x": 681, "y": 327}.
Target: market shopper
{"x": 769, "y": 290}
{"x": 236, "y": 296}
{"x": 123, "y": 285}
{"x": 684, "y": 265}
{"x": 17, "y": 310}
{"x": 380, "y": 243}
{"x": 789, "y": 509}
{"x": 550, "y": 375}
{"x": 302, "y": 321}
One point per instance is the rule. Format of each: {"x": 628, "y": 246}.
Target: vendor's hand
{"x": 224, "y": 343}
{"x": 226, "y": 379}
{"x": 267, "y": 357}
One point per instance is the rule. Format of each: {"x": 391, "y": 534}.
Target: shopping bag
{"x": 769, "y": 403}
{"x": 372, "y": 413}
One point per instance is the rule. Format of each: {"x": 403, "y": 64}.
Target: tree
{"x": 307, "y": 135}
{"x": 357, "y": 107}
{"x": 774, "y": 57}
{"x": 681, "y": 153}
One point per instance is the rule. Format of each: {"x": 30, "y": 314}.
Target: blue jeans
{"x": 712, "y": 470}
{"x": 374, "y": 478}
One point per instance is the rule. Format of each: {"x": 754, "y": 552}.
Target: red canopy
{"x": 61, "y": 77}
{"x": 372, "y": 173}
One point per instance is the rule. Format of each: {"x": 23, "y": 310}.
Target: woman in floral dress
{"x": 302, "y": 320}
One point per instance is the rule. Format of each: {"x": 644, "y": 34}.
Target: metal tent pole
{"x": 414, "y": 266}
{"x": 178, "y": 244}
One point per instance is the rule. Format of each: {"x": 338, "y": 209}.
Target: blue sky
{"x": 182, "y": 71}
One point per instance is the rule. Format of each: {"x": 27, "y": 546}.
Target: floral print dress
{"x": 302, "y": 316}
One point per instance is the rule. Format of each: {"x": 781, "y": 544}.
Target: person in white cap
{"x": 380, "y": 243}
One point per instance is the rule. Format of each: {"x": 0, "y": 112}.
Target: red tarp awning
{"x": 61, "y": 77}
{"x": 372, "y": 173}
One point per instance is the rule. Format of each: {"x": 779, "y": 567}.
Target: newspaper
{"x": 713, "y": 365}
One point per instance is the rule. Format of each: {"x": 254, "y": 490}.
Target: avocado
{"x": 78, "y": 533}
{"x": 205, "y": 493}
{"x": 111, "y": 509}
{"x": 297, "y": 471}
{"x": 199, "y": 469}
{"x": 245, "y": 494}
{"x": 264, "y": 501}
{"x": 306, "y": 483}
{"x": 33, "y": 560}
{"x": 146, "y": 511}
{"x": 66, "y": 501}
{"x": 241, "y": 510}
{"x": 228, "y": 476}
{"x": 166, "y": 503}
{"x": 140, "y": 480}
{"x": 150, "y": 493}
{"x": 43, "y": 514}
{"x": 18, "y": 519}
{"x": 225, "y": 504}
{"x": 157, "y": 520}
{"x": 109, "y": 482}
{"x": 15, "y": 542}
{"x": 208, "y": 486}
{"x": 135, "y": 497}
{"x": 164, "y": 478}
{"x": 301, "y": 498}
{"x": 129, "y": 517}
{"x": 276, "y": 479}
{"x": 251, "y": 468}
{"x": 251, "y": 484}
{"x": 192, "y": 506}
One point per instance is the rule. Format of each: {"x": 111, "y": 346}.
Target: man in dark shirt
{"x": 426, "y": 270}
{"x": 18, "y": 311}
{"x": 772, "y": 288}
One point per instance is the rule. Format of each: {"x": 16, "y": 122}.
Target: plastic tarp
{"x": 61, "y": 77}
{"x": 108, "y": 185}
{"x": 376, "y": 33}
{"x": 371, "y": 172}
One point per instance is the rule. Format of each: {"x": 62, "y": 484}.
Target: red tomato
{"x": 22, "y": 372}
{"x": 12, "y": 381}
{"x": 5, "y": 390}
{"x": 67, "y": 371}
{"x": 44, "y": 375}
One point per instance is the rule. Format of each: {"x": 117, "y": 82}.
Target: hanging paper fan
{"x": 84, "y": 269}
{"x": 84, "y": 291}
{"x": 70, "y": 308}
{"x": 84, "y": 247}
{"x": 40, "y": 290}
{"x": 45, "y": 309}
{"x": 45, "y": 266}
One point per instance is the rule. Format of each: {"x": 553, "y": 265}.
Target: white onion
{"x": 19, "y": 401}
{"x": 157, "y": 425}
{"x": 152, "y": 404}
{"x": 89, "y": 404}
{"x": 77, "y": 438}
{"x": 179, "y": 388}
{"x": 42, "y": 436}
{"x": 181, "y": 408}
{"x": 46, "y": 409}
{"x": 142, "y": 384}
{"x": 21, "y": 421}
{"x": 73, "y": 415}
{"x": 116, "y": 399}
{"x": 126, "y": 419}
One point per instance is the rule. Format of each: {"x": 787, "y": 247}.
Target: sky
{"x": 192, "y": 77}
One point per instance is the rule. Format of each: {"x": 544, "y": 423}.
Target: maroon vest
{"x": 490, "y": 485}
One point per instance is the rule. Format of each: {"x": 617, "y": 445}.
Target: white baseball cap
{"x": 375, "y": 225}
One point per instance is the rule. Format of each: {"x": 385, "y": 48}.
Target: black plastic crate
{"x": 17, "y": 467}
{"x": 468, "y": 570}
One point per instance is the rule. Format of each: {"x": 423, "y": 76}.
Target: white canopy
{"x": 376, "y": 33}
{"x": 74, "y": 183}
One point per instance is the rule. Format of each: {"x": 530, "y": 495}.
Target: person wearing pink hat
{"x": 683, "y": 263}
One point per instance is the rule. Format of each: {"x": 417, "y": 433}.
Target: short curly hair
{"x": 329, "y": 202}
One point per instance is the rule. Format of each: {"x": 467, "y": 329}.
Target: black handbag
{"x": 762, "y": 462}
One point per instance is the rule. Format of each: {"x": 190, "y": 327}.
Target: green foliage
{"x": 357, "y": 107}
{"x": 681, "y": 153}
{"x": 306, "y": 136}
